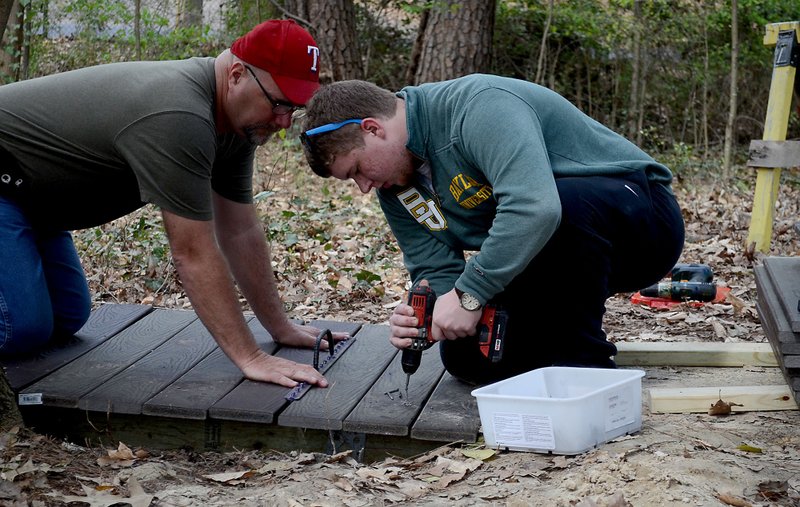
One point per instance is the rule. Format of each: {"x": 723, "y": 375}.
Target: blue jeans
{"x": 43, "y": 289}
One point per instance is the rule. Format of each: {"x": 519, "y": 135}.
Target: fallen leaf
{"x": 733, "y": 500}
{"x": 229, "y": 477}
{"x": 722, "y": 407}
{"x": 101, "y": 498}
{"x": 749, "y": 448}
{"x": 481, "y": 454}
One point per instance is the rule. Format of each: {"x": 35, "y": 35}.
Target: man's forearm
{"x": 213, "y": 296}
{"x": 248, "y": 256}
{"x": 205, "y": 277}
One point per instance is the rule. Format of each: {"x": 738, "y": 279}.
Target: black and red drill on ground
{"x": 689, "y": 282}
{"x": 491, "y": 330}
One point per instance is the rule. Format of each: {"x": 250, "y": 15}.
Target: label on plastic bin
{"x": 619, "y": 409}
{"x": 523, "y": 430}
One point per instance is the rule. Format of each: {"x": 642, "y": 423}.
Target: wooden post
{"x": 784, "y": 36}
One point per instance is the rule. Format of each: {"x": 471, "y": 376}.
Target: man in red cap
{"x": 81, "y": 148}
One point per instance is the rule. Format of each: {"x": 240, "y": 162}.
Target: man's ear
{"x": 235, "y": 72}
{"x": 373, "y": 126}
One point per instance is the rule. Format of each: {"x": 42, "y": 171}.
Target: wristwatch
{"x": 468, "y": 301}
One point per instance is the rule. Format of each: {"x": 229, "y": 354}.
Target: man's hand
{"x": 451, "y": 321}
{"x": 266, "y": 368}
{"x": 403, "y": 326}
{"x": 299, "y": 335}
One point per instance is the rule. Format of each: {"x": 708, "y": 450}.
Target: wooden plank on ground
{"x": 700, "y": 399}
{"x": 350, "y": 377}
{"x": 784, "y": 273}
{"x": 192, "y": 395}
{"x": 105, "y": 321}
{"x": 450, "y": 415}
{"x": 785, "y": 343}
{"x": 128, "y": 390}
{"x": 792, "y": 374}
{"x": 784, "y": 339}
{"x": 694, "y": 354}
{"x": 260, "y": 402}
{"x": 64, "y": 387}
{"x": 387, "y": 409}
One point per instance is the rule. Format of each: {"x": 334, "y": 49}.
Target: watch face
{"x": 469, "y": 302}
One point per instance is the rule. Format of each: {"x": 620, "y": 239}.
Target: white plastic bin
{"x": 560, "y": 410}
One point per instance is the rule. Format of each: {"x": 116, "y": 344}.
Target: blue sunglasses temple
{"x": 330, "y": 126}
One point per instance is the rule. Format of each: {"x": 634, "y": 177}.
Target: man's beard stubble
{"x": 253, "y": 136}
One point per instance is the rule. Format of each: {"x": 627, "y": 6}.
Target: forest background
{"x": 665, "y": 73}
{"x": 688, "y": 80}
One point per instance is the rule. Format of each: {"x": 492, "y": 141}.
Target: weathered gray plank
{"x": 126, "y": 392}
{"x": 786, "y": 340}
{"x": 105, "y": 321}
{"x": 192, "y": 395}
{"x": 784, "y": 273}
{"x": 790, "y": 373}
{"x": 387, "y": 409}
{"x": 350, "y": 377}
{"x": 450, "y": 415}
{"x": 64, "y": 387}
{"x": 259, "y": 402}
{"x": 775, "y": 154}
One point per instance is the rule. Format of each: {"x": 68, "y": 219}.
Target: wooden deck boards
{"x": 157, "y": 373}
{"x": 160, "y": 371}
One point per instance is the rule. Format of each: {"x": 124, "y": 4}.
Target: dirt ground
{"x": 675, "y": 460}
{"x": 748, "y": 458}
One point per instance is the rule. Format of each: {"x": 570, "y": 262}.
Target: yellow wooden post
{"x": 784, "y": 36}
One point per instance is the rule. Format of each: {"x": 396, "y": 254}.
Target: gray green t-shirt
{"x": 94, "y": 144}
{"x": 494, "y": 147}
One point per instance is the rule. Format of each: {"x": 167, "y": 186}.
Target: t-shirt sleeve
{"x": 172, "y": 155}
{"x": 232, "y": 174}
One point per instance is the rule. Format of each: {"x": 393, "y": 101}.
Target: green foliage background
{"x": 588, "y": 59}
{"x": 588, "y": 53}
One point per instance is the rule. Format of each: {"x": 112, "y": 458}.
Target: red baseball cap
{"x": 287, "y": 52}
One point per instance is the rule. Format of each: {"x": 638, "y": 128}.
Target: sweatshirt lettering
{"x": 427, "y": 213}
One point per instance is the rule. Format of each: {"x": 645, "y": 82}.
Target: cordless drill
{"x": 688, "y": 282}
{"x": 491, "y": 330}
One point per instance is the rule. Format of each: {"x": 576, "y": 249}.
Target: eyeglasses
{"x": 312, "y": 151}
{"x": 279, "y": 107}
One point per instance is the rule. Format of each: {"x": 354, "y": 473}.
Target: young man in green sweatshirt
{"x": 561, "y": 211}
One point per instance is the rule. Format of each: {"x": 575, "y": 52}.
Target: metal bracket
{"x": 787, "y": 50}
{"x": 341, "y": 440}
{"x": 212, "y": 434}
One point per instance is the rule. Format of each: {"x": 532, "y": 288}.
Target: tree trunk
{"x": 9, "y": 411}
{"x": 190, "y": 14}
{"x": 726, "y": 155}
{"x": 6, "y": 6}
{"x": 457, "y": 40}
{"x": 334, "y": 23}
{"x": 704, "y": 120}
{"x": 137, "y": 27}
{"x": 416, "y": 51}
{"x": 540, "y": 63}
{"x": 637, "y": 61}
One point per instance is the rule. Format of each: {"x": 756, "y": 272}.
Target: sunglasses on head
{"x": 312, "y": 150}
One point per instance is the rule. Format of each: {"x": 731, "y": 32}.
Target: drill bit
{"x": 408, "y": 379}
